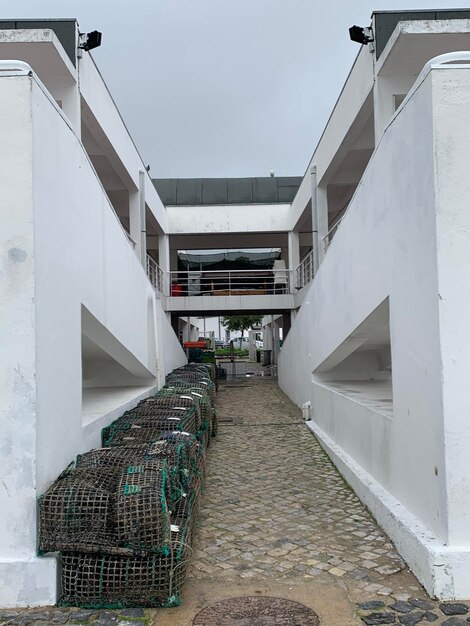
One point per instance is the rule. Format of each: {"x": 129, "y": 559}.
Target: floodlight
{"x": 93, "y": 40}
{"x": 361, "y": 35}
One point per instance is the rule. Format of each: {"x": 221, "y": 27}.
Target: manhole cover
{"x": 257, "y": 611}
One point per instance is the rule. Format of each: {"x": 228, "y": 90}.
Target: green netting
{"x": 109, "y": 581}
{"x": 83, "y": 510}
{"x": 123, "y": 517}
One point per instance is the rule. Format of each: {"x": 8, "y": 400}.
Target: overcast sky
{"x": 218, "y": 87}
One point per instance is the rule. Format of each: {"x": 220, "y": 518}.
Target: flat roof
{"x": 386, "y": 21}
{"x": 217, "y": 191}
{"x": 64, "y": 28}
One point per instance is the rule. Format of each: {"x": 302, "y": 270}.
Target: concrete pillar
{"x": 386, "y": 90}
{"x": 143, "y": 219}
{"x": 322, "y": 217}
{"x": 173, "y": 259}
{"x": 252, "y": 345}
{"x": 134, "y": 220}
{"x": 137, "y": 222}
{"x": 286, "y": 324}
{"x": 275, "y": 340}
{"x": 67, "y": 95}
{"x": 293, "y": 239}
{"x": 164, "y": 261}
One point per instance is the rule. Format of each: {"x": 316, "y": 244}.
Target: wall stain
{"x": 17, "y": 255}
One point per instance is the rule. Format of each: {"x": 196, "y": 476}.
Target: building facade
{"x": 369, "y": 291}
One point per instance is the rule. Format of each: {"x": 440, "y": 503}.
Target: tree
{"x": 240, "y": 323}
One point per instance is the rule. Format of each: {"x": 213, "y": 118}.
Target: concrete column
{"x": 293, "y": 239}
{"x": 67, "y": 95}
{"x": 137, "y": 225}
{"x": 143, "y": 219}
{"x": 313, "y": 208}
{"x": 386, "y": 88}
{"x": 252, "y": 345}
{"x": 322, "y": 217}
{"x": 164, "y": 261}
{"x": 173, "y": 259}
{"x": 286, "y": 324}
{"x": 275, "y": 341}
{"x": 134, "y": 221}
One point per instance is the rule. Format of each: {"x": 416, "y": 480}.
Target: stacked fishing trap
{"x": 122, "y": 516}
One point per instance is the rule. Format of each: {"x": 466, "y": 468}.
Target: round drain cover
{"x": 257, "y": 611}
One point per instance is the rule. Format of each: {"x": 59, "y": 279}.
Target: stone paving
{"x": 52, "y": 616}
{"x": 275, "y": 510}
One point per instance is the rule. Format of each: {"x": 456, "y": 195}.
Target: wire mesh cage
{"x": 112, "y": 581}
{"x": 75, "y": 514}
{"x": 134, "y": 429}
{"x": 142, "y": 514}
{"x": 123, "y": 516}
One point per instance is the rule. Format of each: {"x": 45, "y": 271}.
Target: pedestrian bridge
{"x": 220, "y": 292}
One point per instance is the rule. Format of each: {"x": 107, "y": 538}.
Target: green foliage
{"x": 239, "y": 353}
{"x": 241, "y": 322}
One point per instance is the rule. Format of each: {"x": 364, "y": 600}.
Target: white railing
{"x": 155, "y": 274}
{"x": 304, "y": 273}
{"x": 230, "y": 282}
{"x": 331, "y": 233}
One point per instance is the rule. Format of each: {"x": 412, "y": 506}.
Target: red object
{"x": 176, "y": 289}
{"x": 195, "y": 344}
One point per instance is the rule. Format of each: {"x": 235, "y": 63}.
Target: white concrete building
{"x": 369, "y": 290}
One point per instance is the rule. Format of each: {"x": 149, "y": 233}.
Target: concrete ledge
{"x": 29, "y": 582}
{"x": 434, "y": 564}
{"x": 91, "y": 431}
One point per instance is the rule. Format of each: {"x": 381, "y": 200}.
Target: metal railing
{"x": 331, "y": 233}
{"x": 304, "y": 273}
{"x": 155, "y": 274}
{"x": 230, "y": 282}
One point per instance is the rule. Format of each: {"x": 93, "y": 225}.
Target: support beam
{"x": 143, "y": 219}
{"x": 164, "y": 260}
{"x": 293, "y": 238}
{"x": 322, "y": 219}
{"x": 134, "y": 221}
{"x": 316, "y": 257}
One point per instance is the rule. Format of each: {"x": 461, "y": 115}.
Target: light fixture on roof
{"x": 91, "y": 40}
{"x": 361, "y": 35}
{"x": 271, "y": 173}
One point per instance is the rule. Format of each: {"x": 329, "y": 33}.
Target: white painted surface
{"x": 23, "y": 578}
{"x": 228, "y": 219}
{"x": 213, "y": 304}
{"x": 66, "y": 267}
{"x": 405, "y": 237}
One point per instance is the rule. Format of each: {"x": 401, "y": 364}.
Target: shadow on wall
{"x": 105, "y": 361}
{"x": 361, "y": 367}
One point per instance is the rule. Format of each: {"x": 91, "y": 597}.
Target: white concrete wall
{"x": 171, "y": 347}
{"x": 390, "y": 245}
{"x": 62, "y": 249}
{"x": 23, "y": 579}
{"x": 228, "y": 219}
{"x": 451, "y": 95}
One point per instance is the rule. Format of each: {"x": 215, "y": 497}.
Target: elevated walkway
{"x": 224, "y": 305}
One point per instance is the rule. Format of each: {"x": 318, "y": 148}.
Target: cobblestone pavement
{"x": 275, "y": 511}
{"x": 276, "y": 508}
{"x": 52, "y": 616}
